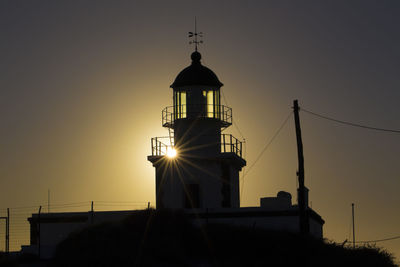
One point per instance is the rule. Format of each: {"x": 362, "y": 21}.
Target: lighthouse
{"x": 197, "y": 170}
{"x": 196, "y": 165}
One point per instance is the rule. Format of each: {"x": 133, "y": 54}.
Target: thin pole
{"x": 48, "y": 201}
{"x": 195, "y": 32}
{"x": 303, "y": 219}
{"x": 92, "y": 212}
{"x": 354, "y": 234}
{"x": 39, "y": 241}
{"x": 5, "y": 242}
{"x": 8, "y": 231}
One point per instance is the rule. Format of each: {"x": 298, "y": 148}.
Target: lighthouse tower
{"x": 196, "y": 165}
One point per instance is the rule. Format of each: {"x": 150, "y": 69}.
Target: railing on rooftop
{"x": 228, "y": 144}
{"x": 172, "y": 113}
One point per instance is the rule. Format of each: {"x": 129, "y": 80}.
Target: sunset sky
{"x": 83, "y": 83}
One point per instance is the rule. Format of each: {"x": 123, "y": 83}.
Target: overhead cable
{"x": 234, "y": 122}
{"x": 379, "y": 240}
{"x": 269, "y": 143}
{"x": 350, "y": 123}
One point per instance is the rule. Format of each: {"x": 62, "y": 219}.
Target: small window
{"x": 183, "y": 104}
{"x": 210, "y": 104}
{"x": 180, "y": 104}
{"x": 217, "y": 105}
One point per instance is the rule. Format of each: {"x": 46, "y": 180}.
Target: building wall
{"x": 283, "y": 220}
{"x": 215, "y": 189}
{"x": 56, "y": 227}
{"x": 316, "y": 228}
{"x": 51, "y": 234}
{"x": 171, "y": 181}
{"x": 234, "y": 186}
{"x": 199, "y": 137}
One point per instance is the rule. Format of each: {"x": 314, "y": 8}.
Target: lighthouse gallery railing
{"x": 229, "y": 144}
{"x": 220, "y": 112}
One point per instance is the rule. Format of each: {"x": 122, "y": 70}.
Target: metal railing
{"x": 171, "y": 114}
{"x": 158, "y": 146}
{"x": 229, "y": 144}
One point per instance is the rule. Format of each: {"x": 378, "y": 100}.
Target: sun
{"x": 171, "y": 152}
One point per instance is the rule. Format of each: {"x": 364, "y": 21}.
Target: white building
{"x": 49, "y": 229}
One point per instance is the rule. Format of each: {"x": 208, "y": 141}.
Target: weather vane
{"x": 194, "y": 35}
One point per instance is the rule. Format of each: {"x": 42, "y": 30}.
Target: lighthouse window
{"x": 204, "y": 103}
{"x": 180, "y": 104}
{"x": 216, "y": 104}
{"x": 208, "y": 100}
{"x": 183, "y": 104}
{"x": 211, "y": 103}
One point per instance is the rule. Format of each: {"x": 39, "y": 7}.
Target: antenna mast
{"x": 194, "y": 35}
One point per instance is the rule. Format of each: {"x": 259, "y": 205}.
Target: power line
{"x": 234, "y": 122}
{"x": 263, "y": 151}
{"x": 269, "y": 143}
{"x": 28, "y": 209}
{"x": 350, "y": 123}
{"x": 379, "y": 240}
{"x": 126, "y": 202}
{"x": 37, "y": 206}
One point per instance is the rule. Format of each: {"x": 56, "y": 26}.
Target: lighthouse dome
{"x": 196, "y": 74}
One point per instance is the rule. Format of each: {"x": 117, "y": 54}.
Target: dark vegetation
{"x": 165, "y": 238}
{"x": 15, "y": 259}
{"x": 5, "y": 261}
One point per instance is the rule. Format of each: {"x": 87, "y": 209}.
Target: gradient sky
{"x": 83, "y": 83}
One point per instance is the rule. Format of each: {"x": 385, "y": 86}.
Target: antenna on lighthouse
{"x": 194, "y": 35}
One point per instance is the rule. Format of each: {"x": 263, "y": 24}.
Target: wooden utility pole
{"x": 303, "y": 214}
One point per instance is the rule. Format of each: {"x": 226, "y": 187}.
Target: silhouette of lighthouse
{"x": 196, "y": 165}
